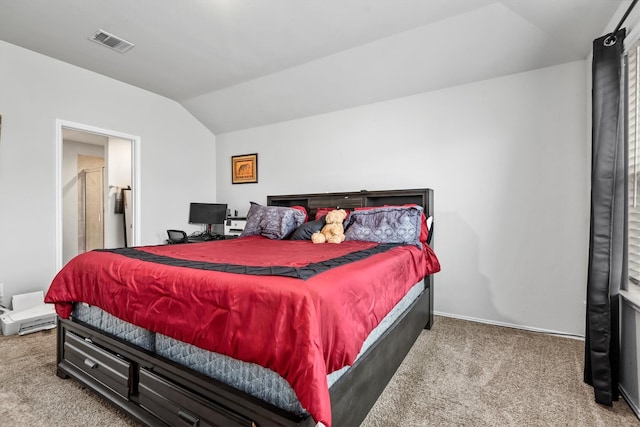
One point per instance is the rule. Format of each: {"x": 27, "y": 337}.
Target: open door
{"x": 90, "y": 209}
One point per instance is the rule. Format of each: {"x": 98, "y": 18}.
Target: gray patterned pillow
{"x": 389, "y": 224}
{"x": 274, "y": 222}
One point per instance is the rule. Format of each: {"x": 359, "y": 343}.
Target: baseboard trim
{"x": 511, "y": 325}
{"x": 629, "y": 401}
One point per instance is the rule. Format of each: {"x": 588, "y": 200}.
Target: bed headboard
{"x": 356, "y": 199}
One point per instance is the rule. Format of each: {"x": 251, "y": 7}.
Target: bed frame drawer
{"x": 180, "y": 407}
{"x": 105, "y": 367}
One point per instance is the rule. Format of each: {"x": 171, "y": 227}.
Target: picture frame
{"x": 244, "y": 169}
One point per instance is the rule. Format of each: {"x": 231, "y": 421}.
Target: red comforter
{"x": 301, "y": 329}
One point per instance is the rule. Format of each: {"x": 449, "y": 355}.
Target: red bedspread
{"x": 301, "y": 329}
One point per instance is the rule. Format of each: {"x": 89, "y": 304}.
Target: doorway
{"x": 97, "y": 182}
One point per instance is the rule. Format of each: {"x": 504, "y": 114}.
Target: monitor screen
{"x": 207, "y": 213}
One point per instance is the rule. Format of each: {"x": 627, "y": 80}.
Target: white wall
{"x": 508, "y": 159}
{"x": 177, "y": 156}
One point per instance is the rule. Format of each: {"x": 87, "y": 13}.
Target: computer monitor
{"x": 208, "y": 214}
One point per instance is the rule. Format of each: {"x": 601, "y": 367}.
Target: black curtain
{"x": 607, "y": 267}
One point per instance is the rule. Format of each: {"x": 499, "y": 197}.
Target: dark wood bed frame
{"x": 157, "y": 391}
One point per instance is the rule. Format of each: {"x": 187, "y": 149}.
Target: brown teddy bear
{"x": 333, "y": 231}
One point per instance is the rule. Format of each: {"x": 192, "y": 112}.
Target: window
{"x": 633, "y": 183}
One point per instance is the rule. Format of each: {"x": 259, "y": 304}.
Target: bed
{"x": 317, "y": 342}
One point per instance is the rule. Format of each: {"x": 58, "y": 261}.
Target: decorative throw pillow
{"x": 273, "y": 222}
{"x": 426, "y": 234}
{"x": 303, "y": 210}
{"x": 389, "y": 224}
{"x": 305, "y": 231}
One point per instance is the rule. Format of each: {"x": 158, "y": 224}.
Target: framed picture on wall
{"x": 244, "y": 169}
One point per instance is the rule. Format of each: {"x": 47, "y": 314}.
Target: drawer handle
{"x": 191, "y": 419}
{"x": 92, "y": 364}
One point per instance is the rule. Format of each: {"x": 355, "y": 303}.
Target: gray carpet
{"x": 457, "y": 374}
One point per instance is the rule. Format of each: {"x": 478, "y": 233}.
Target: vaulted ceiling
{"x": 236, "y": 64}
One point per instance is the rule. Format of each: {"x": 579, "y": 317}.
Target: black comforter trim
{"x": 303, "y": 273}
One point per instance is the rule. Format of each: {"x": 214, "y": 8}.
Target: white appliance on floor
{"x": 29, "y": 314}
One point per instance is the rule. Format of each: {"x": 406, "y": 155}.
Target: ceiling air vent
{"x": 111, "y": 41}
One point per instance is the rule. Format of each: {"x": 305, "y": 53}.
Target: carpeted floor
{"x": 469, "y": 374}
{"x": 457, "y": 374}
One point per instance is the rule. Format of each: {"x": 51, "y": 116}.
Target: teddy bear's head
{"x": 336, "y": 216}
